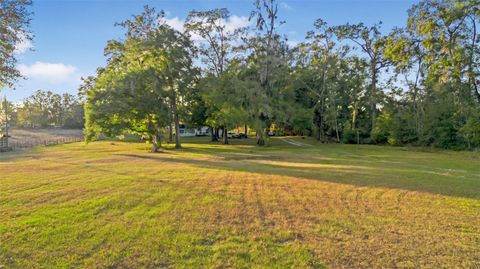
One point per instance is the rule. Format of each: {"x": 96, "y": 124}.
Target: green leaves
{"x": 14, "y": 24}
{"x": 145, "y": 73}
{"x": 321, "y": 86}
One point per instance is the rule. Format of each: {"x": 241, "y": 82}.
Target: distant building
{"x": 188, "y": 132}
{"x": 203, "y": 131}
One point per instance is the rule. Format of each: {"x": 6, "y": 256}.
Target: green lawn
{"x": 115, "y": 205}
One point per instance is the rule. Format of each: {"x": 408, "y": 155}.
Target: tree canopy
{"x": 352, "y": 83}
{"x": 14, "y": 23}
{"x": 142, "y": 85}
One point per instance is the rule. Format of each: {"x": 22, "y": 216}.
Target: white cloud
{"x": 286, "y": 6}
{"x": 175, "y": 23}
{"x": 233, "y": 23}
{"x": 236, "y": 22}
{"x": 51, "y": 72}
{"x": 292, "y": 43}
{"x": 23, "y": 46}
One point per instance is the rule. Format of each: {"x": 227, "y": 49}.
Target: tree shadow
{"x": 357, "y": 175}
{"x": 312, "y": 163}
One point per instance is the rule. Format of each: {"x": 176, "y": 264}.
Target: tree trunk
{"x": 260, "y": 139}
{"x": 170, "y": 129}
{"x": 336, "y": 120}
{"x": 213, "y": 134}
{"x": 152, "y": 142}
{"x": 336, "y": 129}
{"x": 322, "y": 97}
{"x": 246, "y": 131}
{"x": 354, "y": 117}
{"x": 373, "y": 92}
{"x": 177, "y": 120}
{"x": 471, "y": 76}
{"x": 225, "y": 135}
{"x": 318, "y": 120}
{"x": 156, "y": 141}
{"x": 322, "y": 134}
{"x": 319, "y": 136}
{"x": 170, "y": 133}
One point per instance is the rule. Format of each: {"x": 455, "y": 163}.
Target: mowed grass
{"x": 115, "y": 205}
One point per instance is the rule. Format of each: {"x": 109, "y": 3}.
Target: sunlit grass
{"x": 114, "y": 204}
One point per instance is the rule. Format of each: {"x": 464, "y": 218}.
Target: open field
{"x": 295, "y": 204}
{"x": 20, "y": 134}
{"x": 20, "y": 138}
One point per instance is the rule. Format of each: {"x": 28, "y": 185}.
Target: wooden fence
{"x": 16, "y": 145}
{"x": 4, "y": 146}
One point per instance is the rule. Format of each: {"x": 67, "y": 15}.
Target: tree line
{"x": 351, "y": 83}
{"x": 45, "y": 109}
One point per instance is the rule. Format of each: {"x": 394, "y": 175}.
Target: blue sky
{"x": 70, "y": 35}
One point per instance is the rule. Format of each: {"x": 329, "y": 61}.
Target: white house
{"x": 188, "y": 132}
{"x": 203, "y": 131}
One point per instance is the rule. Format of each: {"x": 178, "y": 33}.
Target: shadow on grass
{"x": 336, "y": 164}
{"x": 253, "y": 161}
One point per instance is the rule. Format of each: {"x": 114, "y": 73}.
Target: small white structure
{"x": 189, "y": 132}
{"x": 203, "y": 131}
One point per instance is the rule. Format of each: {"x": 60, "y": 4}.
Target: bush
{"x": 471, "y": 131}
{"x": 403, "y": 130}
{"x": 382, "y": 129}
{"x": 441, "y": 127}
{"x": 355, "y": 136}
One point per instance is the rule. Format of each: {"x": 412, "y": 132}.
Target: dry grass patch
{"x": 20, "y": 135}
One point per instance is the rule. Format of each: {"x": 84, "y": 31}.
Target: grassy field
{"x": 294, "y": 204}
{"x": 26, "y": 134}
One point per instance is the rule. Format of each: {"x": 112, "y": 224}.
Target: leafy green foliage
{"x": 471, "y": 131}
{"x": 145, "y": 75}
{"x": 14, "y": 23}
{"x": 416, "y": 85}
{"x": 45, "y": 108}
